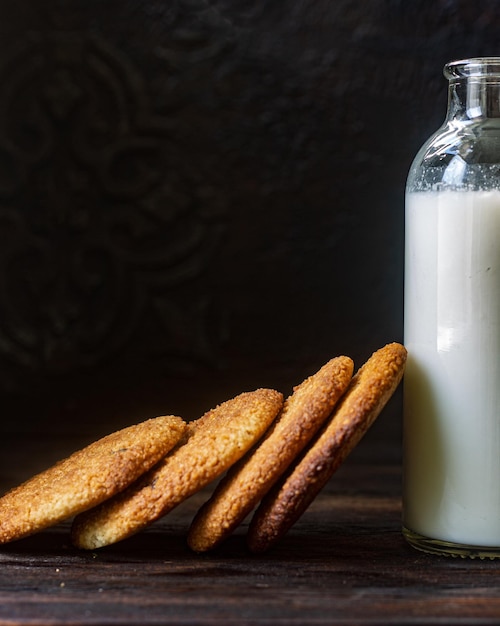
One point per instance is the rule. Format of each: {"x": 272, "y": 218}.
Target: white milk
{"x": 452, "y": 378}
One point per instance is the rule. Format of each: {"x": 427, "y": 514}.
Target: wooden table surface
{"x": 344, "y": 562}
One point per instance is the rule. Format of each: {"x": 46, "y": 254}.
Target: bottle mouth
{"x": 479, "y": 67}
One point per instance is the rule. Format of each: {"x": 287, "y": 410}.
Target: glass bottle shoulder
{"x": 458, "y": 154}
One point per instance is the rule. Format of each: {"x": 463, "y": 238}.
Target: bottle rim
{"x": 473, "y": 67}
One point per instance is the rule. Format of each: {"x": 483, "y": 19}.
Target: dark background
{"x": 201, "y": 197}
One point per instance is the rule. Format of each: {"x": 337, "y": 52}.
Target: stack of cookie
{"x": 274, "y": 455}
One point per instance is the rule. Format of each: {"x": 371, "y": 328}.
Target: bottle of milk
{"x": 451, "y": 487}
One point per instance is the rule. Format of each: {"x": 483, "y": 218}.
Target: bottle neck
{"x": 474, "y": 99}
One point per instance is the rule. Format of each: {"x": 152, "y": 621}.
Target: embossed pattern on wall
{"x": 207, "y": 195}
{"x": 96, "y": 210}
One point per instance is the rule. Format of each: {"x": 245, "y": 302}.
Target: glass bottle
{"x": 451, "y": 450}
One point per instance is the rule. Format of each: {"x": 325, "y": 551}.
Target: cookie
{"x": 246, "y": 483}
{"x": 368, "y": 392}
{"x": 87, "y": 477}
{"x": 213, "y": 443}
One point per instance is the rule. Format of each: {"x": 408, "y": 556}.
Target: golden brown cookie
{"x": 246, "y": 483}
{"x": 369, "y": 391}
{"x": 87, "y": 477}
{"x": 214, "y": 442}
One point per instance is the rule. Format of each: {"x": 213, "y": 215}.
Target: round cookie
{"x": 369, "y": 391}
{"x": 246, "y": 483}
{"x": 213, "y": 443}
{"x": 87, "y": 477}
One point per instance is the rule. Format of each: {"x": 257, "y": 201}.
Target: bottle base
{"x": 448, "y": 548}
